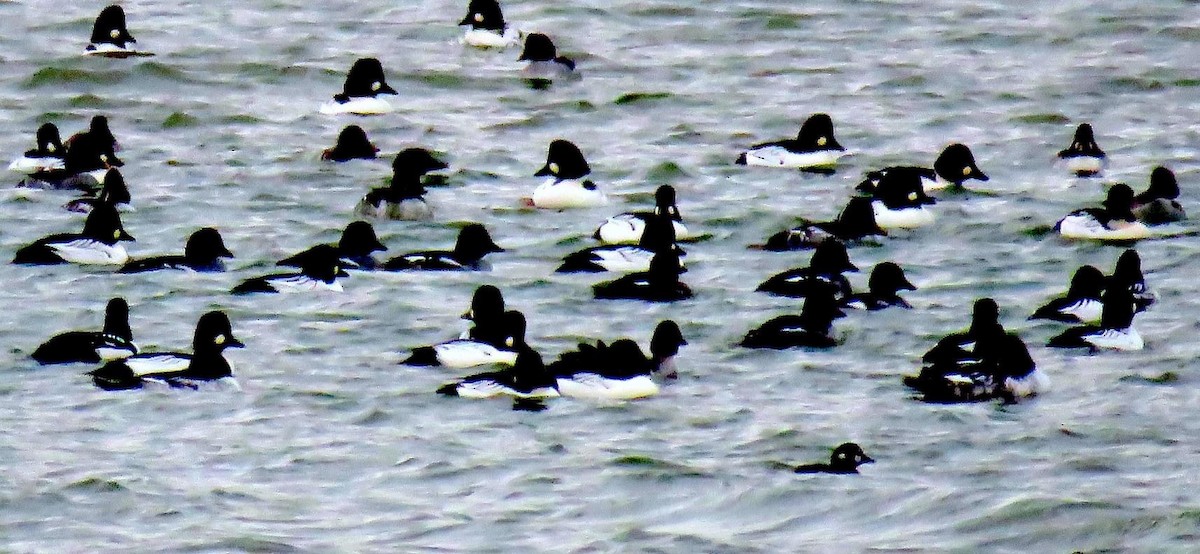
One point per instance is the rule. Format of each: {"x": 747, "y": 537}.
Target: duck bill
{"x": 125, "y": 236}
{"x": 386, "y": 89}
{"x": 866, "y": 460}
{"x": 978, "y": 174}
{"x": 833, "y": 144}
{"x": 544, "y": 171}
{"x": 466, "y": 20}
{"x": 232, "y": 342}
{"x": 906, "y": 285}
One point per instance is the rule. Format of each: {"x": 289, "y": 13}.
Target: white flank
{"x": 483, "y": 38}
{"x": 460, "y": 354}
{"x": 1084, "y": 226}
{"x": 903, "y": 218}
{"x": 357, "y": 106}
{"x": 1087, "y": 310}
{"x": 570, "y": 193}
{"x": 778, "y": 156}
{"x": 90, "y": 252}
{"x": 628, "y": 229}
{"x": 1116, "y": 339}
{"x": 143, "y": 364}
{"x": 29, "y": 166}
{"x": 1030, "y": 385}
{"x": 590, "y": 385}
{"x": 303, "y": 283}
{"x": 1085, "y": 164}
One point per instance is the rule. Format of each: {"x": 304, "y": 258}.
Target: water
{"x": 334, "y": 447}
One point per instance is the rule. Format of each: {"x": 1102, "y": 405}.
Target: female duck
{"x": 825, "y": 269}
{"x": 659, "y": 284}
{"x": 202, "y": 253}
{"x": 352, "y": 144}
{"x": 887, "y": 280}
{"x": 355, "y": 248}
{"x": 1158, "y": 204}
{"x": 813, "y": 328}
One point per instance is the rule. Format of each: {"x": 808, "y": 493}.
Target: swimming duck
{"x": 566, "y": 186}
{"x": 472, "y": 245}
{"x": 113, "y": 342}
{"x": 1115, "y": 331}
{"x": 404, "y": 197}
{"x": 1082, "y": 303}
{"x": 361, "y": 92}
{"x": 1084, "y": 157}
{"x": 354, "y": 248}
{"x": 487, "y": 28}
{"x": 114, "y": 192}
{"x": 206, "y": 365}
{"x": 844, "y": 461}
{"x": 825, "y": 269}
{"x": 527, "y": 378}
{"x": 855, "y": 222}
{"x": 886, "y": 280}
{"x": 1158, "y": 204}
{"x": 1128, "y": 275}
{"x": 545, "y": 65}
{"x": 1112, "y": 222}
{"x": 813, "y": 328}
{"x": 464, "y": 353}
{"x": 319, "y": 272}
{"x": 47, "y": 156}
{"x": 99, "y": 243}
{"x": 619, "y": 371}
{"x": 813, "y": 148}
{"x": 998, "y": 367}
{"x": 202, "y": 253}
{"x": 627, "y": 228}
{"x": 110, "y": 37}
{"x": 352, "y": 143}
{"x": 659, "y": 284}
{"x": 952, "y": 168}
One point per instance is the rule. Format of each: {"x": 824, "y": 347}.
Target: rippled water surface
{"x": 332, "y": 446}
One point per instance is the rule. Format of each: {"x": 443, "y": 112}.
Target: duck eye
{"x": 554, "y": 168}
{"x": 912, "y": 196}
{"x": 219, "y": 340}
{"x": 821, "y": 141}
{"x": 114, "y": 33}
{"x": 376, "y": 86}
{"x": 117, "y": 234}
{"x": 50, "y": 148}
{"x": 336, "y": 269}
{"x": 479, "y": 18}
{"x": 104, "y": 158}
{"x": 966, "y": 171}
{"x": 508, "y": 342}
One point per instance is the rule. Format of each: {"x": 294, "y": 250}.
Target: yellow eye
{"x": 114, "y": 33}
{"x": 376, "y": 85}
{"x": 50, "y": 148}
{"x": 336, "y": 269}
{"x": 219, "y": 339}
{"x": 479, "y": 18}
{"x": 554, "y": 168}
{"x": 104, "y": 158}
{"x": 912, "y": 196}
{"x": 821, "y": 141}
{"x": 966, "y": 171}
{"x": 117, "y": 234}
{"x": 508, "y": 342}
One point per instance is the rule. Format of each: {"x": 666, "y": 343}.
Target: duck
{"x": 1128, "y": 275}
{"x": 526, "y": 379}
{"x": 110, "y": 37}
{"x": 86, "y": 162}
{"x": 1112, "y": 222}
{"x": 659, "y": 235}
{"x": 99, "y": 131}
{"x": 619, "y": 371}
{"x": 950, "y": 352}
{"x": 813, "y": 328}
{"x": 355, "y": 249}
{"x": 98, "y": 244}
{"x": 319, "y": 272}
{"x": 658, "y": 284}
{"x": 201, "y": 254}
{"x": 545, "y": 65}
{"x": 114, "y": 192}
{"x": 488, "y": 323}
{"x": 844, "y": 461}
{"x": 627, "y": 228}
{"x": 486, "y": 27}
{"x": 113, "y": 342}
{"x": 464, "y": 353}
{"x": 565, "y": 186}
{"x": 352, "y": 144}
{"x": 814, "y": 147}
{"x": 472, "y": 245}
{"x": 1115, "y": 331}
{"x": 999, "y": 367}
{"x": 855, "y": 222}
{"x": 1082, "y": 303}
{"x": 829, "y": 261}
{"x": 361, "y": 92}
{"x": 206, "y": 367}
{"x": 952, "y": 168}
{"x": 887, "y": 279}
{"x": 899, "y": 201}
{"x": 404, "y": 197}
{"x": 1158, "y": 204}
{"x": 1084, "y": 157}
{"x": 47, "y": 156}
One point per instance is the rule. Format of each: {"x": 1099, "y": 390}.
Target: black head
{"x": 48, "y": 141}
{"x": 487, "y": 303}
{"x": 529, "y": 372}
{"x": 831, "y": 257}
{"x": 474, "y": 243}
{"x": 358, "y": 239}
{"x": 214, "y": 332}
{"x": 352, "y": 143}
{"x": 820, "y": 308}
{"x": 902, "y": 189}
{"x": 109, "y": 28}
{"x": 365, "y": 79}
{"x": 90, "y": 151}
{"x": 104, "y": 224}
{"x": 1084, "y": 135}
{"x": 848, "y": 457}
{"x": 666, "y": 340}
{"x": 484, "y": 14}
{"x": 817, "y": 133}
{"x": 1129, "y": 269}
{"x": 664, "y": 202}
{"x": 1118, "y": 308}
{"x": 99, "y": 127}
{"x": 415, "y": 162}
{"x": 857, "y": 219}
{"x": 985, "y": 314}
{"x": 116, "y": 318}
{"x": 1088, "y": 282}
{"x": 1162, "y": 184}
{"x": 957, "y": 164}
{"x": 1119, "y": 202}
{"x": 564, "y": 161}
{"x": 206, "y": 245}
{"x": 538, "y": 48}
{"x": 887, "y": 278}
{"x": 514, "y": 323}
{"x": 114, "y": 191}
{"x": 323, "y": 262}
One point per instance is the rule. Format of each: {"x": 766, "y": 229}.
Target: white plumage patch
{"x": 459, "y": 354}
{"x": 778, "y": 156}
{"x": 1087, "y": 310}
{"x": 110, "y": 50}
{"x": 1030, "y": 385}
{"x": 302, "y": 283}
{"x": 626, "y": 259}
{"x": 1082, "y": 225}
{"x": 357, "y": 106}
{"x": 483, "y": 38}
{"x": 591, "y": 385}
{"x": 1116, "y": 339}
{"x": 28, "y": 166}
{"x": 1085, "y": 164}
{"x": 628, "y": 229}
{"x": 143, "y": 364}
{"x": 568, "y": 193}
{"x": 90, "y": 252}
{"x": 903, "y": 218}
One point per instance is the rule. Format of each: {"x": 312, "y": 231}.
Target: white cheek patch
{"x": 376, "y": 86}
{"x": 554, "y": 168}
{"x": 114, "y": 33}
{"x": 104, "y": 158}
{"x": 821, "y": 141}
{"x": 479, "y": 18}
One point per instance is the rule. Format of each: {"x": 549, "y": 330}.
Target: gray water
{"x": 333, "y": 447}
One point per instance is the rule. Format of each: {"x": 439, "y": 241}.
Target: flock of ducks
{"x": 982, "y": 362}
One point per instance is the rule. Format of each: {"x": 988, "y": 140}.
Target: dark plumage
{"x": 365, "y": 80}
{"x": 813, "y": 328}
{"x": 659, "y": 284}
{"x": 213, "y": 335}
{"x": 352, "y": 143}
{"x": 114, "y": 340}
{"x": 472, "y": 245}
{"x": 886, "y": 280}
{"x": 845, "y": 460}
{"x": 855, "y": 222}
{"x": 203, "y": 253}
{"x": 1087, "y": 286}
{"x": 354, "y": 248}
{"x": 825, "y": 268}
